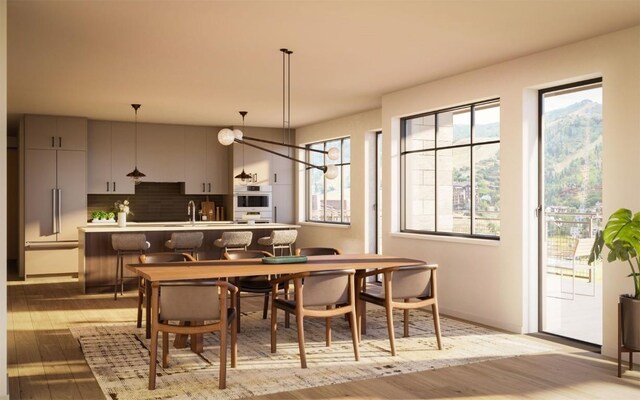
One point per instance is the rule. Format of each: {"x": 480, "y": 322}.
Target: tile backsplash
{"x": 153, "y": 202}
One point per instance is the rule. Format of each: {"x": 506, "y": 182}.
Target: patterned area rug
{"x": 118, "y": 356}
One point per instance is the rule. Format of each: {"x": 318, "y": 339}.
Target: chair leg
{"x": 115, "y": 284}
{"x": 266, "y": 306}
{"x": 303, "y": 355}
{"x": 153, "y": 358}
{"x": 406, "y": 320}
{"x": 122, "y": 276}
{"x": 328, "y": 329}
{"x": 436, "y": 324}
{"x": 274, "y": 326}
{"x": 223, "y": 357}
{"x": 354, "y": 335}
{"x": 234, "y": 345}
{"x": 165, "y": 349}
{"x": 238, "y": 310}
{"x": 140, "y": 296}
{"x": 392, "y": 338}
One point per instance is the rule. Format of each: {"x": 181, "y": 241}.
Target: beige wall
{"x": 4, "y": 387}
{"x": 487, "y": 281}
{"x": 360, "y": 128}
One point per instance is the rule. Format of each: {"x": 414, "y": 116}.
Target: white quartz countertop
{"x": 178, "y": 226}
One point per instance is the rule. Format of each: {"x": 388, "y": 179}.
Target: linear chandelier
{"x": 228, "y": 136}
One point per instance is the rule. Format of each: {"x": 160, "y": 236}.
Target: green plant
{"x": 95, "y": 215}
{"x": 111, "y": 215}
{"x": 621, "y": 236}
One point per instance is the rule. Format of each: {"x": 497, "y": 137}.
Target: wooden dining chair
{"x": 317, "y": 251}
{"x": 251, "y": 284}
{"x": 203, "y": 302}
{"x": 417, "y": 283}
{"x": 155, "y": 258}
{"x": 325, "y": 294}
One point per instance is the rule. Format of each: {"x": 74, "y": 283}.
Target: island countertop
{"x": 97, "y": 259}
{"x": 178, "y": 226}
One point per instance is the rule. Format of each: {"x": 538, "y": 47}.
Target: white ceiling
{"x": 200, "y": 62}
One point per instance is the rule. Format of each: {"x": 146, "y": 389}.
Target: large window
{"x": 451, "y": 171}
{"x": 329, "y": 200}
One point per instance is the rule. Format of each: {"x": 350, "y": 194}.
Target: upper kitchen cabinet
{"x": 111, "y": 157}
{"x": 282, "y": 168}
{"x": 60, "y": 133}
{"x": 206, "y": 162}
{"x": 161, "y": 152}
{"x": 267, "y": 168}
{"x": 217, "y": 163}
{"x": 255, "y": 162}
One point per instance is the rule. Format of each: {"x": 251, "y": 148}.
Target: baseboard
{"x": 483, "y": 321}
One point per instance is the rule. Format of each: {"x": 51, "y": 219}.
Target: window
{"x": 450, "y": 166}
{"x": 329, "y": 200}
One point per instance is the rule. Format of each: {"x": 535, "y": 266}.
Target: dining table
{"x": 156, "y": 273}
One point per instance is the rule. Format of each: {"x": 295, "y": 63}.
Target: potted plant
{"x": 621, "y": 236}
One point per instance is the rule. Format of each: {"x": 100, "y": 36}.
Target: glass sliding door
{"x": 571, "y": 210}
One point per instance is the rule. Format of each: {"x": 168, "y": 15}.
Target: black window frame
{"x": 403, "y": 175}
{"x": 341, "y": 176}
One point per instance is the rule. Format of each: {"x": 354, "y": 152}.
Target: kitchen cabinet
{"x": 206, "y": 166}
{"x": 257, "y": 163}
{"x": 282, "y": 200}
{"x": 282, "y": 168}
{"x": 161, "y": 152}
{"x": 59, "y": 133}
{"x": 111, "y": 156}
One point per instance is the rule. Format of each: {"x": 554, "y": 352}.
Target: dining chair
{"x": 317, "y": 251}
{"x": 402, "y": 283}
{"x": 202, "y": 302}
{"x": 124, "y": 244}
{"x": 155, "y": 258}
{"x": 251, "y": 284}
{"x": 325, "y": 294}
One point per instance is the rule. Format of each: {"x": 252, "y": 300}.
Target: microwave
{"x": 252, "y": 201}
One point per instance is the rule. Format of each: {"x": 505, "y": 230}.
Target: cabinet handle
{"x": 209, "y": 186}
{"x": 203, "y": 187}
{"x": 275, "y": 178}
{"x": 54, "y": 211}
{"x": 107, "y": 186}
{"x": 114, "y": 186}
{"x": 255, "y": 178}
{"x": 59, "y": 211}
{"x": 59, "y": 141}
{"x": 53, "y": 141}
{"x": 275, "y": 213}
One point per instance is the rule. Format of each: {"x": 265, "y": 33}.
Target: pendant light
{"x": 237, "y": 134}
{"x": 135, "y": 174}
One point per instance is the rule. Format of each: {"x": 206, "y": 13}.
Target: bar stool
{"x": 185, "y": 242}
{"x": 126, "y": 243}
{"x": 280, "y": 240}
{"x": 234, "y": 241}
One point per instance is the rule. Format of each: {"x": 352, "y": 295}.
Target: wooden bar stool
{"x": 234, "y": 241}
{"x": 126, "y": 243}
{"x": 280, "y": 240}
{"x": 185, "y": 242}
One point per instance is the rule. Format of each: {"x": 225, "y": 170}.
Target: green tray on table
{"x": 284, "y": 260}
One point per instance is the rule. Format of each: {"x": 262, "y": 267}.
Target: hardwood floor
{"x": 45, "y": 362}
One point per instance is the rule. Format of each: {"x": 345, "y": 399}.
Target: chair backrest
{"x": 412, "y": 281}
{"x": 164, "y": 257}
{"x": 237, "y": 239}
{"x": 326, "y": 287}
{"x": 240, "y": 255}
{"x": 129, "y": 241}
{"x": 284, "y": 237}
{"x": 186, "y": 240}
{"x": 190, "y": 301}
{"x": 318, "y": 251}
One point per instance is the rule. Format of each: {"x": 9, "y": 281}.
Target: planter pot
{"x": 630, "y": 322}
{"x": 122, "y": 219}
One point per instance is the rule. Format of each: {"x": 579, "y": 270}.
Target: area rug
{"x": 119, "y": 356}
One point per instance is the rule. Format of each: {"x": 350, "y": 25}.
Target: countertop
{"x": 178, "y": 226}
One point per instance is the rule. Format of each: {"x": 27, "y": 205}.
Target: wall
{"x": 353, "y": 238}
{"x": 486, "y": 281}
{"x": 4, "y": 386}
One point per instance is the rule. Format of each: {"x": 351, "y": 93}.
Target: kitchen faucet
{"x": 191, "y": 210}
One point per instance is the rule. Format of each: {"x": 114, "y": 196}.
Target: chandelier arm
{"x": 293, "y": 146}
{"x": 322, "y": 168}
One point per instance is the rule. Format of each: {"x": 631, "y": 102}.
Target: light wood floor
{"x": 45, "y": 362}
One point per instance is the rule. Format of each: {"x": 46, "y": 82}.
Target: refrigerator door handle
{"x": 54, "y": 211}
{"x": 59, "y": 211}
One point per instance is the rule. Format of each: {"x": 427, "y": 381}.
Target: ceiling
{"x": 200, "y": 62}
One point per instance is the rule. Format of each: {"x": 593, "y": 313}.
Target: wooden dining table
{"x": 220, "y": 269}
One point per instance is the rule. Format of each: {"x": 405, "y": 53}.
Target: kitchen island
{"x": 97, "y": 259}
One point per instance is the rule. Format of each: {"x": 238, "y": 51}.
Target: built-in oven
{"x": 252, "y": 199}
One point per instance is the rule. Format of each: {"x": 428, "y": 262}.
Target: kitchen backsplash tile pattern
{"x": 153, "y": 202}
